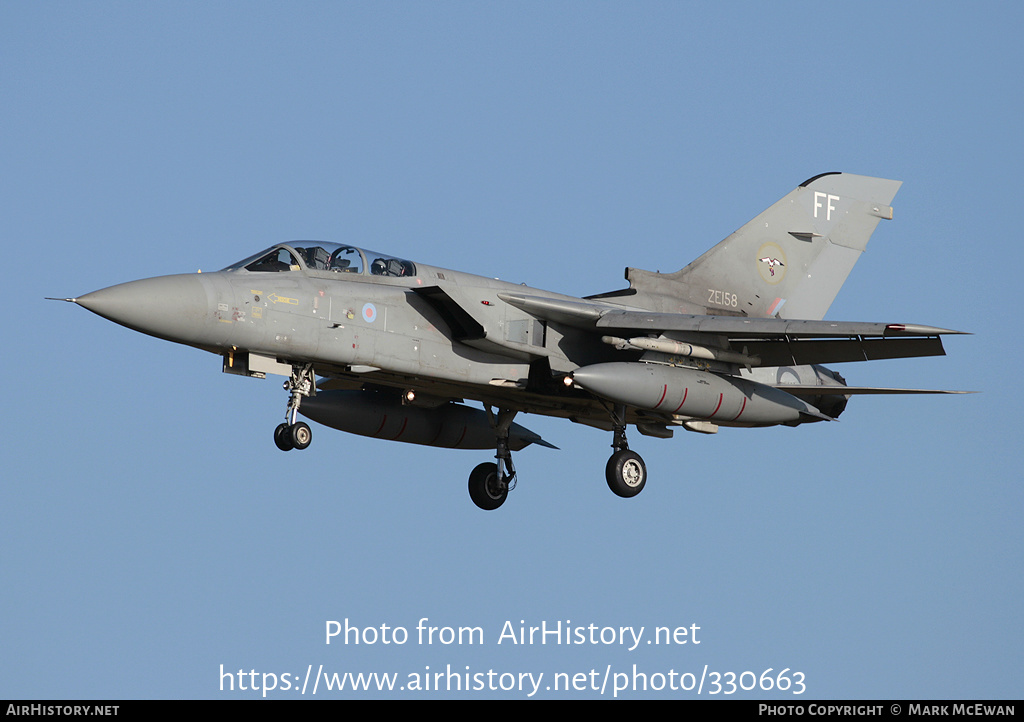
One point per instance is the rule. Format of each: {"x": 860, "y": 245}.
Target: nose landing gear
{"x": 294, "y": 434}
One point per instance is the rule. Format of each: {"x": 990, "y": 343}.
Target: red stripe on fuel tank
{"x": 381, "y": 427}
{"x": 685, "y": 392}
{"x": 402, "y": 430}
{"x": 741, "y": 408}
{"x": 664, "y": 390}
{"x": 720, "y": 396}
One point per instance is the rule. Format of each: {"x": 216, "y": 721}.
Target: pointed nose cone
{"x": 170, "y": 307}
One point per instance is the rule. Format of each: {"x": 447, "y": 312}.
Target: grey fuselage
{"x": 445, "y": 333}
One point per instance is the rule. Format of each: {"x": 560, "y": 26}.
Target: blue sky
{"x": 154, "y": 533}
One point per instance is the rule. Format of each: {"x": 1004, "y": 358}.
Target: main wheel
{"x": 484, "y": 488}
{"x": 301, "y": 435}
{"x": 626, "y": 473}
{"x": 283, "y": 437}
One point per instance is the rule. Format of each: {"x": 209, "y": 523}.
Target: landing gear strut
{"x": 292, "y": 434}
{"x": 490, "y": 483}
{"x": 625, "y": 472}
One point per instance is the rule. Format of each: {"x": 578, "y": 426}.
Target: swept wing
{"x": 771, "y": 341}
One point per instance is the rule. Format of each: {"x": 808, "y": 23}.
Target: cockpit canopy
{"x": 323, "y": 256}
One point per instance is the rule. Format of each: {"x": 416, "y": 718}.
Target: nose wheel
{"x": 294, "y": 434}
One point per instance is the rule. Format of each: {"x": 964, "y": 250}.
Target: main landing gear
{"x": 294, "y": 434}
{"x": 625, "y": 472}
{"x": 490, "y": 483}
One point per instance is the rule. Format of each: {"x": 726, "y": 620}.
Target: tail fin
{"x": 791, "y": 260}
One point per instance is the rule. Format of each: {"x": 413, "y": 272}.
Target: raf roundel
{"x": 369, "y": 313}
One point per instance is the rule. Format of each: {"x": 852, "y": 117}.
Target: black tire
{"x": 301, "y": 435}
{"x": 484, "y": 489}
{"x": 283, "y": 437}
{"x": 626, "y": 473}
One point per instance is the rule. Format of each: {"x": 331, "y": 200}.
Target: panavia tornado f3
{"x": 390, "y": 348}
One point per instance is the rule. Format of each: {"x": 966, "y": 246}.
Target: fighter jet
{"x": 381, "y": 346}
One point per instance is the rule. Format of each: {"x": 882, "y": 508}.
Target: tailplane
{"x": 789, "y": 262}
